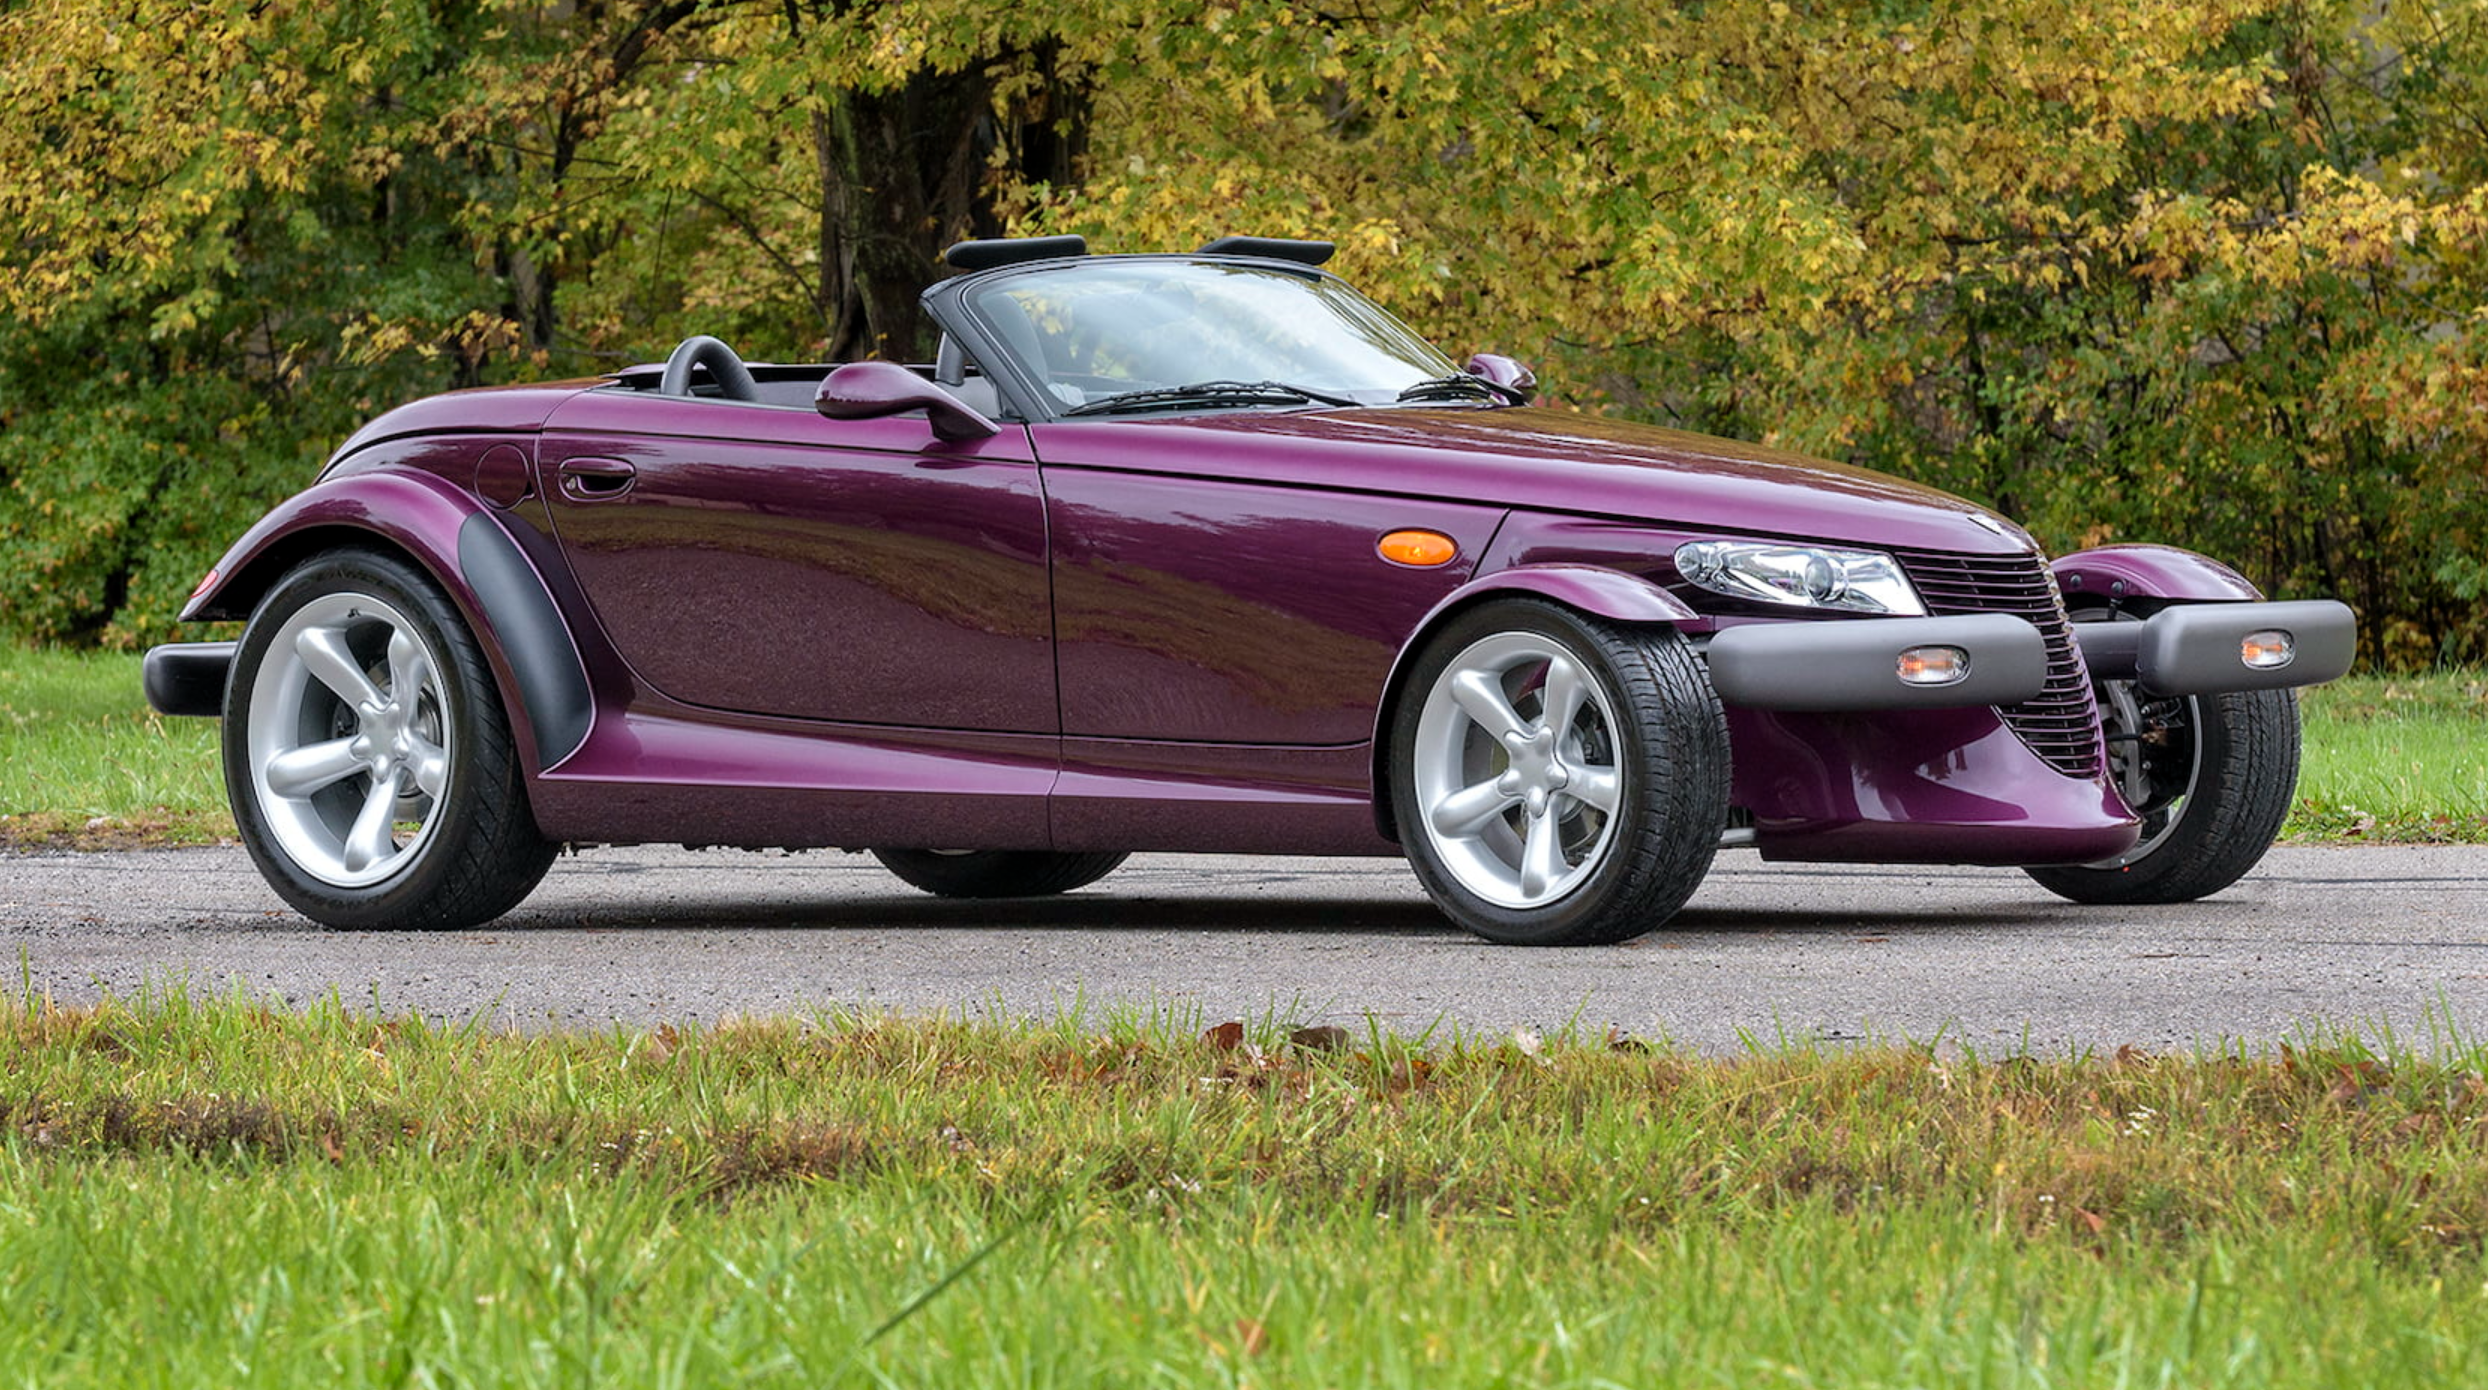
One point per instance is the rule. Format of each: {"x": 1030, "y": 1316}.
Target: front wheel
{"x": 1558, "y": 780}
{"x": 369, "y": 764}
{"x": 2211, "y": 776}
{"x": 999, "y": 873}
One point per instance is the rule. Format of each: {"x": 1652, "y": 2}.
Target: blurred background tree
{"x": 2206, "y": 273}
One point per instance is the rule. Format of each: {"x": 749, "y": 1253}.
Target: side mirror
{"x": 870, "y": 390}
{"x": 1503, "y": 371}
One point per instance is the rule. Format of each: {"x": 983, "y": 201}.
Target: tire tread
{"x": 998, "y": 873}
{"x": 2248, "y": 779}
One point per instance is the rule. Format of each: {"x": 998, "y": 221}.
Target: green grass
{"x": 88, "y": 763}
{"x": 2388, "y": 758}
{"x": 2396, "y": 758}
{"x": 210, "y": 1192}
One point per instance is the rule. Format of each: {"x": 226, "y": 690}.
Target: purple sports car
{"x": 1201, "y": 552}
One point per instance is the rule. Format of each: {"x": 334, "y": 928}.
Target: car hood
{"x": 1542, "y": 459}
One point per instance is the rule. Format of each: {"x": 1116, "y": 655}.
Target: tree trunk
{"x": 908, "y": 171}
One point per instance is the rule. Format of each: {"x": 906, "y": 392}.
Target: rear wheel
{"x": 1558, "y": 780}
{"x": 369, "y": 764}
{"x": 1001, "y": 873}
{"x": 2211, "y": 776}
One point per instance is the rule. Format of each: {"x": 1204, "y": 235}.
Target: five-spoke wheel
{"x": 1556, "y": 779}
{"x": 370, "y": 765}
{"x": 1515, "y": 769}
{"x": 345, "y": 754}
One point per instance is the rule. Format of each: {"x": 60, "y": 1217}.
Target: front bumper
{"x": 2197, "y": 648}
{"x": 2188, "y": 649}
{"x": 1820, "y": 667}
{"x": 188, "y": 677}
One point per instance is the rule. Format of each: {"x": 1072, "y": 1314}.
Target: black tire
{"x": 997, "y": 873}
{"x": 1619, "y": 872}
{"x": 475, "y": 851}
{"x": 2221, "y": 770}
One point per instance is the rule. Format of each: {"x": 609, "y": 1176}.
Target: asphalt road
{"x": 2367, "y": 938}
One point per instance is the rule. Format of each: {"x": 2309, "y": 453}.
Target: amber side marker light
{"x": 1423, "y": 549}
{"x": 2268, "y": 650}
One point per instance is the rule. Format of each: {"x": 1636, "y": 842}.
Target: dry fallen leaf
{"x": 1323, "y": 1038}
{"x": 1226, "y": 1037}
{"x": 1407, "y": 1074}
{"x": 1251, "y": 1336}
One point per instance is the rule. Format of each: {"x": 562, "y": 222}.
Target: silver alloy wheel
{"x": 2127, "y": 728}
{"x": 1515, "y": 770}
{"x": 347, "y": 751}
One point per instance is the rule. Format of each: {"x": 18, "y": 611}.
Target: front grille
{"x": 2062, "y": 724}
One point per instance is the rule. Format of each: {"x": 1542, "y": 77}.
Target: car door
{"x": 765, "y": 560}
{"x": 1236, "y": 609}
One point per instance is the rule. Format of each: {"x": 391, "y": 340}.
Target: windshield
{"x": 1093, "y": 331}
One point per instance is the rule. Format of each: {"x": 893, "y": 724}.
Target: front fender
{"x": 2117, "y": 574}
{"x": 456, "y": 540}
{"x": 1604, "y": 593}
{"x": 1600, "y": 592}
{"x": 2197, "y": 615}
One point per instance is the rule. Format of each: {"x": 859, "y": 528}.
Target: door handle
{"x": 594, "y": 479}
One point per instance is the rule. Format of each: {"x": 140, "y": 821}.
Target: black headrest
{"x": 1011, "y": 250}
{"x": 1272, "y": 248}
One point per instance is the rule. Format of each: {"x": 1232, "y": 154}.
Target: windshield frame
{"x": 952, "y": 305}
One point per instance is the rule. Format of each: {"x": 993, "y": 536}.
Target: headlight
{"x": 1802, "y": 576}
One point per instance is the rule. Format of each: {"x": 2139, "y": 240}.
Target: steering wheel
{"x": 734, "y": 380}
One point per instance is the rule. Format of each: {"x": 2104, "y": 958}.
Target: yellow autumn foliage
{"x": 2208, "y": 273}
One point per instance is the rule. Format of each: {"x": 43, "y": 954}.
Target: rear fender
{"x": 1602, "y": 593}
{"x": 457, "y": 541}
{"x": 2119, "y": 575}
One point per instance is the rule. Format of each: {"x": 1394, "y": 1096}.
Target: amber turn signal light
{"x": 2268, "y": 650}
{"x": 1423, "y": 549}
{"x": 1934, "y": 666}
